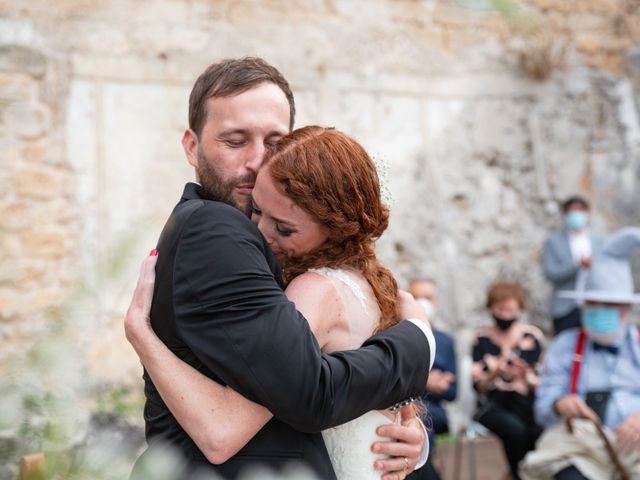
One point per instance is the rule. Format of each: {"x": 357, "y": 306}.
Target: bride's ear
{"x": 190, "y": 146}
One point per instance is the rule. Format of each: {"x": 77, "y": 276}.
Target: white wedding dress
{"x": 349, "y": 445}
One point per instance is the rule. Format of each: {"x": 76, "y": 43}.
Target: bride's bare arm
{"x": 218, "y": 419}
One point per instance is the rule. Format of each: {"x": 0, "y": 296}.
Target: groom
{"x": 219, "y": 306}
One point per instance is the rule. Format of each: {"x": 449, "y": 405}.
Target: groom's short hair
{"x": 231, "y": 77}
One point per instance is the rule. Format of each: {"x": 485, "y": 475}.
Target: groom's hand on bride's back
{"x": 409, "y": 308}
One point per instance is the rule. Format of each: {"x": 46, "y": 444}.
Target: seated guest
{"x": 593, "y": 373}
{"x": 441, "y": 384}
{"x": 505, "y": 360}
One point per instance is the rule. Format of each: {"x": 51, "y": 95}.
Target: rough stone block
{"x": 31, "y": 274}
{"x": 15, "y": 88}
{"x": 45, "y": 244}
{"x": 500, "y": 126}
{"x": 47, "y": 298}
{"x": 15, "y": 216}
{"x": 22, "y": 59}
{"x": 590, "y": 21}
{"x": 142, "y": 120}
{"x": 398, "y": 136}
{"x": 602, "y": 7}
{"x": 10, "y": 246}
{"x": 28, "y": 120}
{"x": 448, "y": 14}
{"x": 544, "y": 4}
{"x": 37, "y": 182}
{"x": 9, "y": 305}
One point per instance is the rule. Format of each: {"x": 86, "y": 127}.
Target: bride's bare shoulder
{"x": 318, "y": 299}
{"x": 311, "y": 286}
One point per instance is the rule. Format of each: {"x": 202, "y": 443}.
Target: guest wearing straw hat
{"x": 591, "y": 375}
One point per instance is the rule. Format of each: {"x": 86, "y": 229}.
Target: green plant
{"x": 49, "y": 400}
{"x": 121, "y": 401}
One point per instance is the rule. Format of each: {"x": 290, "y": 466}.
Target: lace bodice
{"x": 360, "y": 310}
{"x": 349, "y": 445}
{"x": 345, "y": 278}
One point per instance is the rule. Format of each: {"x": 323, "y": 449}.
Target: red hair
{"x": 501, "y": 291}
{"x": 330, "y": 176}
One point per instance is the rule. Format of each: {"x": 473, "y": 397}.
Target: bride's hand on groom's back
{"x": 404, "y": 448}
{"x": 137, "y": 321}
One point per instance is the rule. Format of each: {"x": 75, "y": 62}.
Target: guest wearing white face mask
{"x": 566, "y": 260}
{"x": 593, "y": 373}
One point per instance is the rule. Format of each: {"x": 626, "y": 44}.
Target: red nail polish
{"x": 153, "y": 253}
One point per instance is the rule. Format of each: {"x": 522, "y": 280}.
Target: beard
{"x": 217, "y": 187}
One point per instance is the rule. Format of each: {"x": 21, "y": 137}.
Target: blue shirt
{"x": 601, "y": 370}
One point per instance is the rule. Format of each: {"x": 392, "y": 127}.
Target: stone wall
{"x": 488, "y": 119}
{"x": 39, "y": 217}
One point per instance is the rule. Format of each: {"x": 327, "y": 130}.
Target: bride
{"x": 317, "y": 202}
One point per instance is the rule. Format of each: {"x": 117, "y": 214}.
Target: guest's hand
{"x": 137, "y": 322}
{"x": 628, "y": 434}
{"x": 585, "y": 262}
{"x": 439, "y": 381}
{"x": 404, "y": 446}
{"x": 572, "y": 406}
{"x": 513, "y": 367}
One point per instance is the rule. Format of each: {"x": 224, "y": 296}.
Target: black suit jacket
{"x": 219, "y": 306}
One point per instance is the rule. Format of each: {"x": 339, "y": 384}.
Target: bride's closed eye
{"x": 283, "y": 232}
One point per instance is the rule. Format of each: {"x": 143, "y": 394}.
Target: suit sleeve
{"x": 557, "y": 268}
{"x": 232, "y": 314}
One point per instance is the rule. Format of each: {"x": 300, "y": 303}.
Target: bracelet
{"x": 403, "y": 403}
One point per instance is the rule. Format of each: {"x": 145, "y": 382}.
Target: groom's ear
{"x": 190, "y": 145}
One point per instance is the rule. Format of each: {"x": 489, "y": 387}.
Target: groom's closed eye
{"x": 254, "y": 209}
{"x": 235, "y": 143}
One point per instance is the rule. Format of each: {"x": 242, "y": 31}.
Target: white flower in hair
{"x": 383, "y": 168}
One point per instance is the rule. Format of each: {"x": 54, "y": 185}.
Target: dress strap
{"x": 345, "y": 278}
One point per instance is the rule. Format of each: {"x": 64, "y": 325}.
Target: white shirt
{"x": 580, "y": 245}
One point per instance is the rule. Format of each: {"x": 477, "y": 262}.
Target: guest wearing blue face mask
{"x": 593, "y": 373}
{"x": 566, "y": 260}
